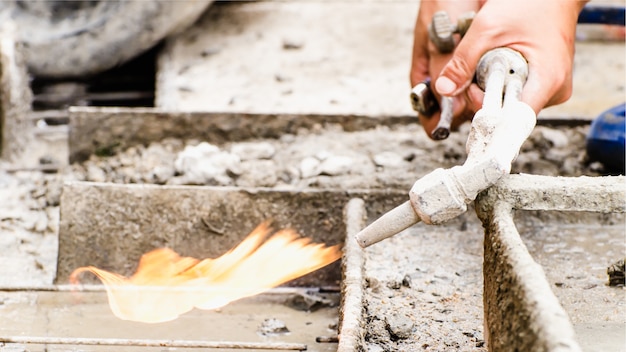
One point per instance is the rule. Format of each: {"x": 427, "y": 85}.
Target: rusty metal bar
{"x": 102, "y": 288}
{"x": 153, "y": 343}
{"x": 351, "y": 330}
{"x": 521, "y": 311}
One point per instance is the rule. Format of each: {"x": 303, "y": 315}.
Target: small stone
{"x": 323, "y": 155}
{"x": 596, "y": 166}
{"x": 557, "y": 138}
{"x": 617, "y": 273}
{"x": 399, "y": 326}
{"x": 207, "y": 164}
{"x": 388, "y": 159}
{"x": 571, "y": 166}
{"x": 373, "y": 284}
{"x": 336, "y": 165}
{"x": 161, "y": 174}
{"x": 95, "y": 174}
{"x": 272, "y": 326}
{"x": 251, "y": 150}
{"x": 394, "y": 284}
{"x": 292, "y": 44}
{"x": 406, "y": 281}
{"x": 309, "y": 167}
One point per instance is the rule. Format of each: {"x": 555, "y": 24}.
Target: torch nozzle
{"x": 391, "y": 223}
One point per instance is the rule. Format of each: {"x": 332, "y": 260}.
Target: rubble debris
{"x": 616, "y": 273}
{"x": 206, "y": 164}
{"x": 312, "y": 301}
{"x": 400, "y": 326}
{"x": 272, "y": 326}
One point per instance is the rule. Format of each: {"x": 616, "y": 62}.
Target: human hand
{"x": 428, "y": 61}
{"x": 542, "y": 31}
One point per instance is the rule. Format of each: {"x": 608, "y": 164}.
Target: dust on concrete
{"x": 327, "y": 157}
{"x": 424, "y": 289}
{"x": 429, "y": 297}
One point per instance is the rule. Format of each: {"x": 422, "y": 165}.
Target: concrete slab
{"x": 112, "y": 225}
{"x": 575, "y": 257}
{"x": 292, "y": 57}
{"x": 331, "y": 58}
{"x": 87, "y": 315}
{"x": 104, "y": 131}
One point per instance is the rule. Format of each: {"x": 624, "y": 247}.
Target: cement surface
{"x": 111, "y": 226}
{"x": 575, "y": 256}
{"x": 332, "y": 57}
{"x": 431, "y": 277}
{"x": 323, "y": 74}
{"x": 87, "y": 315}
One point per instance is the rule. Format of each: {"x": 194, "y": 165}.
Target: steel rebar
{"x": 153, "y": 343}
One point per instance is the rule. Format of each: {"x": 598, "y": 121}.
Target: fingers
{"x": 457, "y": 74}
{"x": 475, "y": 97}
{"x": 427, "y": 61}
{"x": 546, "y": 86}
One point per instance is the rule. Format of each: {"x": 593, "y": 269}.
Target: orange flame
{"x": 167, "y": 285}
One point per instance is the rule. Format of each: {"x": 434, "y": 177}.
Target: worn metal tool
{"x": 498, "y": 131}
{"x": 441, "y": 32}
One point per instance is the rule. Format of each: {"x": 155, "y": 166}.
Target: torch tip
{"x": 391, "y": 223}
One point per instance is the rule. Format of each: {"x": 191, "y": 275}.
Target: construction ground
{"x": 291, "y": 110}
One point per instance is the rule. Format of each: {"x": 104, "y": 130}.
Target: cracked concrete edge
{"x": 533, "y": 192}
{"x": 521, "y": 311}
{"x": 351, "y": 330}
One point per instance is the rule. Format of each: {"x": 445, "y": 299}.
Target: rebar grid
{"x": 521, "y": 311}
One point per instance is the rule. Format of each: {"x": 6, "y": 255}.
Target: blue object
{"x": 606, "y": 141}
{"x": 603, "y": 14}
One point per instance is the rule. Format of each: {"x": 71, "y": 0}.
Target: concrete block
{"x": 112, "y": 225}
{"x": 106, "y": 130}
{"x": 275, "y": 56}
{"x": 521, "y": 311}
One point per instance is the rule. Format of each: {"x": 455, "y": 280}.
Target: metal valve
{"x": 441, "y": 30}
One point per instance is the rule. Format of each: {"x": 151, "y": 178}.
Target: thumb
{"x": 458, "y": 73}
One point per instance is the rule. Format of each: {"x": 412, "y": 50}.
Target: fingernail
{"x": 445, "y": 86}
